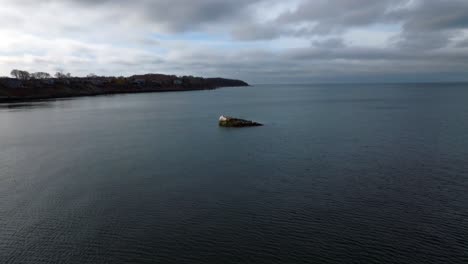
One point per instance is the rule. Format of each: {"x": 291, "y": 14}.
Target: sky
{"x": 259, "y": 41}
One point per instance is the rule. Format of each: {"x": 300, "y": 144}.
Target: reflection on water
{"x": 49, "y": 103}
{"x": 19, "y": 106}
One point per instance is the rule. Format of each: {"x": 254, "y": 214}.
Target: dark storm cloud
{"x": 417, "y": 15}
{"x": 330, "y": 16}
{"x": 182, "y": 15}
{"x": 425, "y": 23}
{"x": 174, "y": 15}
{"x": 435, "y": 15}
{"x": 322, "y": 17}
{"x": 431, "y": 24}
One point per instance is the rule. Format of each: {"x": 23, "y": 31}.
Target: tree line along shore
{"x": 25, "y": 86}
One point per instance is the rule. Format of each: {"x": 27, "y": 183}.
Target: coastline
{"x": 10, "y": 100}
{"x": 17, "y": 91}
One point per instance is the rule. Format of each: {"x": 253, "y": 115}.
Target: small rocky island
{"x": 226, "y": 121}
{"x": 26, "y": 86}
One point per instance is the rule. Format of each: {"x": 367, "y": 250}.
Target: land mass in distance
{"x": 29, "y": 87}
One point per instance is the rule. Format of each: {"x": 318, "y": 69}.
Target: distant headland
{"x": 25, "y": 86}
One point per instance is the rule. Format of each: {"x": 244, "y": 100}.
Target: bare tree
{"x": 40, "y": 75}
{"x": 91, "y": 75}
{"x": 15, "y": 73}
{"x": 24, "y": 75}
{"x": 21, "y": 75}
{"x": 61, "y": 75}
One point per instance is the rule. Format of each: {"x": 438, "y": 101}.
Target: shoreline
{"x": 17, "y": 91}
{"x": 12, "y": 100}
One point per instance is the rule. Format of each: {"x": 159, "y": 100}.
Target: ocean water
{"x": 338, "y": 174}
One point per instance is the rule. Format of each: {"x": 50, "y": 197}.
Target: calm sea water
{"x": 338, "y": 174}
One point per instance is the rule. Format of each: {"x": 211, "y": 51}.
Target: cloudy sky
{"x": 260, "y": 41}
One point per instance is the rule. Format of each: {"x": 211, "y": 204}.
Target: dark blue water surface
{"x": 338, "y": 174}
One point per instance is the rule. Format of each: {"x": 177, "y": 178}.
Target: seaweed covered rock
{"x": 226, "y": 121}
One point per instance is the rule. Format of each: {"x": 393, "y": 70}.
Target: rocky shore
{"x": 18, "y": 90}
